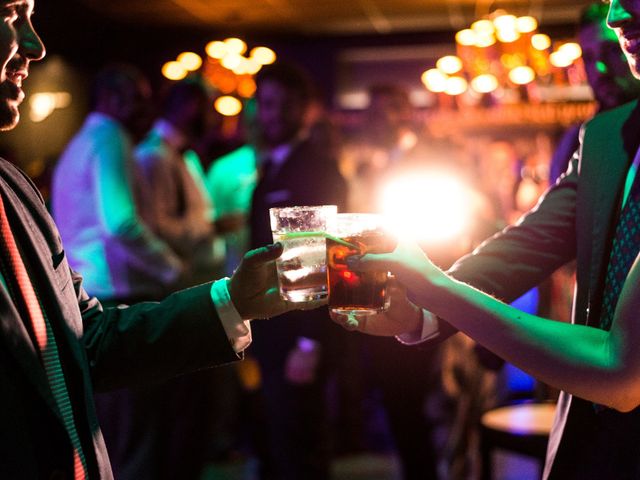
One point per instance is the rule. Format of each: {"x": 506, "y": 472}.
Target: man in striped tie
{"x": 591, "y": 215}
{"x": 57, "y": 344}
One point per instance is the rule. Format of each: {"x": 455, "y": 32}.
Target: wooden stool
{"x": 522, "y": 428}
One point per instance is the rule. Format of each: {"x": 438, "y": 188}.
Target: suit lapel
{"x": 611, "y": 142}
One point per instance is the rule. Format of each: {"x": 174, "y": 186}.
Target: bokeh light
{"x": 263, "y": 55}
{"x": 190, "y": 61}
{"x": 216, "y": 49}
{"x": 522, "y": 75}
{"x": 455, "y": 86}
{"x": 174, "y": 70}
{"x": 434, "y": 80}
{"x": 235, "y": 45}
{"x": 466, "y": 37}
{"x": 540, "y": 41}
{"x": 427, "y": 206}
{"x": 228, "y": 106}
{"x": 484, "y": 83}
{"x": 449, "y": 64}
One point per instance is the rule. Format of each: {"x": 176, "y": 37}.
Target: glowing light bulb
{"x": 174, "y": 71}
{"x": 190, "y": 61}
{"x": 216, "y": 49}
{"x": 560, "y": 59}
{"x": 526, "y": 24}
{"x": 231, "y": 61}
{"x": 507, "y": 35}
{"x": 484, "y": 83}
{"x": 466, "y": 37}
{"x": 235, "y": 45}
{"x": 228, "y": 106}
{"x": 263, "y": 55}
{"x": 540, "y": 41}
{"x": 455, "y": 86}
{"x": 449, "y": 64}
{"x": 483, "y": 27}
{"x": 434, "y": 80}
{"x": 505, "y": 22}
{"x": 572, "y": 50}
{"x": 522, "y": 75}
{"x": 484, "y": 41}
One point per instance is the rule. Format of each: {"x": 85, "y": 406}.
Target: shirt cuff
{"x": 238, "y": 331}
{"x": 427, "y": 331}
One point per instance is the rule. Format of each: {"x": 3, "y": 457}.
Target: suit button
{"x": 58, "y": 475}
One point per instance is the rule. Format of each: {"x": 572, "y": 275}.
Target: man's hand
{"x": 254, "y": 287}
{"x": 401, "y": 317}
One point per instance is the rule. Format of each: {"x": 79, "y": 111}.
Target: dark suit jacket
{"x": 99, "y": 349}
{"x": 575, "y": 219}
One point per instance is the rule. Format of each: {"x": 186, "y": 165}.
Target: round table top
{"x": 521, "y": 419}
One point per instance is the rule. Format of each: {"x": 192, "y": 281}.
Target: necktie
{"x": 23, "y": 292}
{"x": 625, "y": 248}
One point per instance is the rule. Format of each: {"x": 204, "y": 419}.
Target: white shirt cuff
{"x": 428, "y": 330}
{"x": 238, "y": 331}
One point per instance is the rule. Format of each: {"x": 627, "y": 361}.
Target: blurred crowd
{"x": 165, "y": 198}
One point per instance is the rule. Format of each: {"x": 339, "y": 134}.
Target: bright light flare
{"x": 429, "y": 207}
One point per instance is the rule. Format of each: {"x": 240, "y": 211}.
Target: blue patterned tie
{"x": 625, "y": 248}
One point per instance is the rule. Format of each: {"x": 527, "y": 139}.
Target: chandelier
{"x": 504, "y": 55}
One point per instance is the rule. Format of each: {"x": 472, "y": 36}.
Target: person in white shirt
{"x": 93, "y": 202}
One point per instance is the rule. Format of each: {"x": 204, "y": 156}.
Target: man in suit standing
{"x": 58, "y": 343}
{"x": 298, "y": 167}
{"x": 591, "y": 215}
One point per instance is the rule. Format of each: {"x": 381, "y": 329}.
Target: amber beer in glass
{"x": 357, "y": 292}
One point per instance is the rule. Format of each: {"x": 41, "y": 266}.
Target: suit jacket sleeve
{"x": 522, "y": 255}
{"x": 151, "y": 341}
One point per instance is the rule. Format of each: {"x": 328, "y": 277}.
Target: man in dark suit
{"x": 590, "y": 215}
{"x": 298, "y": 167}
{"x": 57, "y": 344}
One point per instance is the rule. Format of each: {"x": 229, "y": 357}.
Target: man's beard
{"x": 10, "y": 98}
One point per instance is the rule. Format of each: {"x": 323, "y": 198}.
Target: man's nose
{"x": 618, "y": 14}
{"x": 31, "y": 45}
